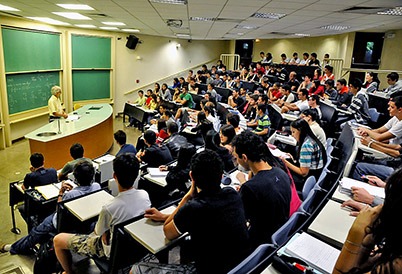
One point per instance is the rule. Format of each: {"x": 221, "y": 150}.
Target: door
{"x": 244, "y": 48}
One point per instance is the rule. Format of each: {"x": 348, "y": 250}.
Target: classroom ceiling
{"x": 225, "y": 19}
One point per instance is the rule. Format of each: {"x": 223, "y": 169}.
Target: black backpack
{"x": 46, "y": 260}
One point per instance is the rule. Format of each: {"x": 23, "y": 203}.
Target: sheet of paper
{"x": 73, "y": 117}
{"x": 318, "y": 254}
{"x": 155, "y": 172}
{"x": 347, "y": 183}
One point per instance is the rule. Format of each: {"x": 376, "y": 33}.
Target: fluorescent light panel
{"x": 114, "y": 23}
{"x": 109, "y": 28}
{"x": 48, "y": 20}
{"x": 395, "y": 12}
{"x": 7, "y": 8}
{"x": 245, "y": 27}
{"x": 302, "y": 34}
{"x": 75, "y": 7}
{"x": 269, "y": 15}
{"x": 182, "y": 35}
{"x": 85, "y": 26}
{"x": 131, "y": 30}
{"x": 72, "y": 15}
{"x": 174, "y": 2}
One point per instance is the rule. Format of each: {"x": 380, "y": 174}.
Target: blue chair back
{"x": 286, "y": 231}
{"x": 308, "y": 186}
{"x": 260, "y": 255}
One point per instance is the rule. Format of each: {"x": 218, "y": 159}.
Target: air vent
{"x": 280, "y": 33}
{"x": 174, "y": 23}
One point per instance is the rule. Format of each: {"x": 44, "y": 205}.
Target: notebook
{"x": 155, "y": 172}
{"x": 316, "y": 253}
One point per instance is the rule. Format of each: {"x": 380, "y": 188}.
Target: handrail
{"x": 347, "y": 70}
{"x": 168, "y": 77}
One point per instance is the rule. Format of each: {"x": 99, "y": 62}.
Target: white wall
{"x": 159, "y": 58}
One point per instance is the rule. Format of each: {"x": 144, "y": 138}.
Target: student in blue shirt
{"x": 121, "y": 138}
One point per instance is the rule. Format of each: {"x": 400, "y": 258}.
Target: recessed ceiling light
{"x": 396, "y": 12}
{"x": 206, "y": 19}
{"x": 131, "y": 30}
{"x": 336, "y": 27}
{"x": 48, "y": 20}
{"x": 114, "y": 23}
{"x": 175, "y": 2}
{"x": 72, "y": 15}
{"x": 109, "y": 28}
{"x": 85, "y": 26}
{"x": 245, "y": 27}
{"x": 7, "y": 8}
{"x": 183, "y": 35}
{"x": 269, "y": 15}
{"x": 302, "y": 34}
{"x": 75, "y": 7}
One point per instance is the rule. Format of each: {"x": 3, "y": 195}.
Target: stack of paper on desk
{"x": 155, "y": 172}
{"x": 317, "y": 254}
{"x": 52, "y": 190}
{"x": 347, "y": 183}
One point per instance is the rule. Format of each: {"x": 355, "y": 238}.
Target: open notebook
{"x": 52, "y": 190}
{"x": 315, "y": 253}
{"x": 347, "y": 183}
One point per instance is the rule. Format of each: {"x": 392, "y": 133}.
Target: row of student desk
{"x": 37, "y": 207}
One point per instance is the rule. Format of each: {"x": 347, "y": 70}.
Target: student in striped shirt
{"x": 263, "y": 122}
{"x": 311, "y": 155}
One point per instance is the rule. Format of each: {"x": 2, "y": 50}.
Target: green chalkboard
{"x": 30, "y": 90}
{"x": 91, "y": 51}
{"x": 91, "y": 84}
{"x": 26, "y": 50}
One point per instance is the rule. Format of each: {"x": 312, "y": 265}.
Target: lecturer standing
{"x": 54, "y": 104}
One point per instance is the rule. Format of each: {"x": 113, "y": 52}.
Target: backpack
{"x": 46, "y": 260}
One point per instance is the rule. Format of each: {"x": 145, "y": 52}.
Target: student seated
{"x": 175, "y": 141}
{"x": 84, "y": 175}
{"x": 267, "y": 194}
{"x": 213, "y": 142}
{"x": 213, "y": 216}
{"x": 311, "y": 155}
{"x": 39, "y": 175}
{"x": 154, "y": 155}
{"x": 77, "y": 153}
{"x": 373, "y": 244}
{"x": 120, "y": 137}
{"x": 128, "y": 204}
{"x": 299, "y": 105}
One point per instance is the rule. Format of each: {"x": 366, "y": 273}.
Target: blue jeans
{"x": 381, "y": 171}
{"x": 38, "y": 235}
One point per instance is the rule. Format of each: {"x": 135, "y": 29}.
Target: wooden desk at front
{"x": 94, "y": 130}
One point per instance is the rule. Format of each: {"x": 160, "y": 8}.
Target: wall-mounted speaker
{"x": 132, "y": 41}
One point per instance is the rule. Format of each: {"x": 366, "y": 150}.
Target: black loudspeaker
{"x": 132, "y": 41}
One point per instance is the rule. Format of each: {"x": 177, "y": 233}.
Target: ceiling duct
{"x": 174, "y": 23}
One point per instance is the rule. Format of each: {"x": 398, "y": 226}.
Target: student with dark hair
{"x": 304, "y": 61}
{"x": 311, "y": 117}
{"x": 128, "y": 204}
{"x": 314, "y": 103}
{"x": 330, "y": 91}
{"x": 39, "y": 175}
{"x": 263, "y": 122}
{"x": 203, "y": 125}
{"x": 213, "y": 216}
{"x": 328, "y": 74}
{"x": 175, "y": 140}
{"x": 251, "y": 110}
{"x": 359, "y": 104}
{"x": 374, "y": 241}
{"x": 162, "y": 131}
{"x": 84, "y": 175}
{"x": 343, "y": 97}
{"x": 311, "y": 155}
{"x": 234, "y": 120}
{"x": 213, "y": 142}
{"x": 313, "y": 60}
{"x": 267, "y": 194}
{"x": 299, "y": 105}
{"x": 371, "y": 82}
{"x": 316, "y": 88}
{"x": 77, "y": 153}
{"x": 227, "y": 133}
{"x": 178, "y": 175}
{"x": 165, "y": 93}
{"x": 121, "y": 138}
{"x": 154, "y": 155}
{"x": 395, "y": 85}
